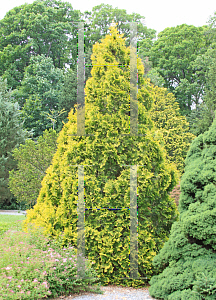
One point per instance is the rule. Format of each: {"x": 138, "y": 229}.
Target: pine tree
{"x": 187, "y": 262}
{"x": 12, "y": 135}
{"x": 107, "y": 179}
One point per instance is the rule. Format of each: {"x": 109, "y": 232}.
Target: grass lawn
{"x": 33, "y": 266}
{"x": 7, "y": 221}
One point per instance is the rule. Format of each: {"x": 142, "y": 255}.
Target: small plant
{"x": 33, "y": 266}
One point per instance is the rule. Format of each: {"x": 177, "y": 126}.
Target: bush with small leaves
{"x": 187, "y": 262}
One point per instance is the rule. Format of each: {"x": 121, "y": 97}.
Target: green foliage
{"x": 33, "y": 158}
{"x": 34, "y": 117}
{"x": 173, "y": 54}
{"x": 42, "y": 27}
{"x": 201, "y": 119}
{"x": 68, "y": 97}
{"x": 191, "y": 248}
{"x": 166, "y": 116}
{"x": 12, "y": 135}
{"x": 155, "y": 77}
{"x": 107, "y": 182}
{"x": 54, "y": 115}
{"x": 211, "y": 33}
{"x": 40, "y": 78}
{"x": 39, "y": 93}
{"x": 101, "y": 18}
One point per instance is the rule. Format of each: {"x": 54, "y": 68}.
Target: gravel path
{"x": 111, "y": 292}
{"x": 12, "y": 212}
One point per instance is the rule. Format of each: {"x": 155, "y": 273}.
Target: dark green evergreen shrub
{"x": 187, "y": 262}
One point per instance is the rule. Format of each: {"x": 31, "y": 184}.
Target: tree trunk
{"x": 175, "y": 194}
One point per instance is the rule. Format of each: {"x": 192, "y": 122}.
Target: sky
{"x": 158, "y": 14}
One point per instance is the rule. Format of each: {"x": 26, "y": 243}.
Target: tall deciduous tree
{"x": 12, "y": 135}
{"x": 43, "y": 79}
{"x": 172, "y": 54}
{"x": 202, "y": 117}
{"x": 39, "y": 93}
{"x": 44, "y": 27}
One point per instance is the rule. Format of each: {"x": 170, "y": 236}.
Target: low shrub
{"x": 33, "y": 266}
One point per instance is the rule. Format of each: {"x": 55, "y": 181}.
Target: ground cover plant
{"x": 33, "y": 266}
{"x": 187, "y": 262}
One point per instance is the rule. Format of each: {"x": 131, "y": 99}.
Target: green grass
{"x": 7, "y": 221}
{"x": 33, "y": 266}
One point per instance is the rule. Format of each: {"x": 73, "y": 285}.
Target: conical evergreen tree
{"x": 12, "y": 135}
{"x": 188, "y": 259}
{"x": 107, "y": 181}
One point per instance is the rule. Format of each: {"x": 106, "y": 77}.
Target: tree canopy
{"x": 173, "y": 54}
{"x": 202, "y": 118}
{"x": 43, "y": 27}
{"x": 39, "y": 93}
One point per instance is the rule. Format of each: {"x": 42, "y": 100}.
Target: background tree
{"x": 187, "y": 262}
{"x": 212, "y": 27}
{"x": 41, "y": 78}
{"x": 68, "y": 95}
{"x": 34, "y": 118}
{"x": 39, "y": 93}
{"x": 202, "y": 117}
{"x": 12, "y": 135}
{"x": 103, "y": 15}
{"x": 175, "y": 128}
{"x": 54, "y": 115}
{"x": 172, "y": 54}
{"x": 107, "y": 181}
{"x": 44, "y": 27}
{"x": 33, "y": 158}
{"x": 49, "y": 27}
{"x": 155, "y": 77}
